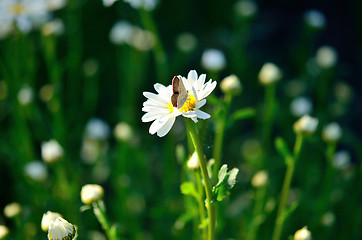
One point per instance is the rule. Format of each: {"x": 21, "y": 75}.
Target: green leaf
{"x": 243, "y": 114}
{"x": 232, "y": 177}
{"x": 188, "y": 188}
{"x": 282, "y": 148}
{"x": 222, "y": 174}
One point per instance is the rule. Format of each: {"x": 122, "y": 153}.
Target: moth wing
{"x": 175, "y": 84}
{"x": 183, "y": 95}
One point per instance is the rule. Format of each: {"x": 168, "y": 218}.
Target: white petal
{"x": 155, "y": 97}
{"x": 192, "y": 75}
{"x": 194, "y": 119}
{"x": 189, "y": 114}
{"x": 166, "y": 128}
{"x": 159, "y": 87}
{"x": 202, "y": 115}
{"x": 201, "y": 81}
{"x": 200, "y": 104}
{"x": 158, "y": 123}
{"x": 150, "y": 116}
{"x": 195, "y": 94}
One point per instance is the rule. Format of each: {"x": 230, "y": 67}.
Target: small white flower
{"x": 231, "y": 84}
{"x": 4, "y": 232}
{"x": 123, "y": 132}
{"x": 303, "y": 234}
{"x": 306, "y": 125}
{"x": 12, "y": 210}
{"x": 61, "y": 229}
{"x": 326, "y": 57}
{"x": 142, "y": 40}
{"x": 213, "y": 60}
{"x": 121, "y": 32}
{"x": 193, "y": 163}
{"x": 332, "y": 132}
{"x": 246, "y": 8}
{"x": 51, "y": 151}
{"x": 25, "y": 95}
{"x": 36, "y": 170}
{"x": 91, "y": 193}
{"x": 260, "y": 179}
{"x": 301, "y": 106}
{"x": 269, "y": 73}
{"x": 48, "y": 218}
{"x": 342, "y": 160}
{"x": 108, "y": 3}
{"x": 315, "y": 18}
{"x": 97, "y": 129}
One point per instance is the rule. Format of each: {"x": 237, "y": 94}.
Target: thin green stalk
{"x": 208, "y": 187}
{"x": 257, "y": 212}
{"x": 158, "y": 49}
{"x": 278, "y": 228}
{"x": 270, "y": 102}
{"x": 100, "y": 213}
{"x": 219, "y": 136}
{"x": 201, "y": 202}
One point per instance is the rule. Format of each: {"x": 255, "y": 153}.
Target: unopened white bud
{"x": 246, "y": 8}
{"x": 4, "y": 232}
{"x": 108, "y": 3}
{"x": 121, "y": 32}
{"x": 326, "y": 57}
{"x": 61, "y": 229}
{"x": 342, "y": 160}
{"x": 91, "y": 193}
{"x": 269, "y": 73}
{"x": 306, "y": 125}
{"x": 231, "y": 84}
{"x": 123, "y": 132}
{"x": 48, "y": 218}
{"x": 97, "y": 129}
{"x": 213, "y": 60}
{"x": 51, "y": 151}
{"x": 303, "y": 234}
{"x": 315, "y": 19}
{"x": 332, "y": 132}
{"x": 301, "y": 106}
{"x": 193, "y": 163}
{"x": 260, "y": 179}
{"x": 25, "y": 95}
{"x": 12, "y": 210}
{"x": 36, "y": 170}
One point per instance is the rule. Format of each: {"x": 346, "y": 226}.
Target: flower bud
{"x": 123, "y": 132}
{"x": 301, "y": 106}
{"x": 186, "y": 42}
{"x": 97, "y": 129}
{"x": 246, "y": 8}
{"x": 61, "y": 229}
{"x": 315, "y": 19}
{"x": 51, "y": 151}
{"x": 48, "y": 218}
{"x": 4, "y": 232}
{"x": 193, "y": 163}
{"x": 231, "y": 84}
{"x": 36, "y": 170}
{"x": 342, "y": 160}
{"x": 326, "y": 57}
{"x": 91, "y": 193}
{"x": 332, "y": 132}
{"x": 260, "y": 179}
{"x": 25, "y": 95}
{"x": 12, "y": 210}
{"x": 306, "y": 125}
{"x": 213, "y": 60}
{"x": 303, "y": 234}
{"x": 269, "y": 73}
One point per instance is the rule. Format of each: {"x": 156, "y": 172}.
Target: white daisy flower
{"x": 159, "y": 109}
{"x": 198, "y": 90}
{"x": 61, "y": 229}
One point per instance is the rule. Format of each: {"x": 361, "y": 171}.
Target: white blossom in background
{"x": 213, "y": 60}
{"x": 121, "y": 32}
{"x": 148, "y": 5}
{"x": 193, "y": 162}
{"x": 328, "y": 219}
{"x": 36, "y": 171}
{"x": 315, "y": 19}
{"x": 260, "y": 179}
{"x": 231, "y": 85}
{"x": 4, "y": 232}
{"x": 246, "y": 8}
{"x": 98, "y": 129}
{"x": 269, "y": 73}
{"x": 123, "y": 132}
{"x": 326, "y": 57}
{"x": 306, "y": 125}
{"x": 47, "y": 219}
{"x": 301, "y": 106}
{"x": 53, "y": 28}
{"x": 342, "y": 160}
{"x": 61, "y": 229}
{"x": 91, "y": 193}
{"x": 332, "y": 132}
{"x": 25, "y": 95}
{"x": 142, "y": 40}
{"x": 51, "y": 151}
{"x": 108, "y": 3}
{"x": 303, "y": 234}
{"x": 12, "y": 210}
{"x": 186, "y": 42}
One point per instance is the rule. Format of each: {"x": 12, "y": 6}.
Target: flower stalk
{"x": 208, "y": 187}
{"x": 100, "y": 213}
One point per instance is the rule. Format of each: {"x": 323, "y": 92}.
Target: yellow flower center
{"x": 170, "y": 107}
{"x": 189, "y": 104}
{"x": 17, "y": 8}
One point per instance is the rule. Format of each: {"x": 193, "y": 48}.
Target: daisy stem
{"x": 257, "y": 212}
{"x": 219, "y": 136}
{"x": 100, "y": 213}
{"x": 278, "y": 228}
{"x": 269, "y": 114}
{"x": 201, "y": 202}
{"x": 208, "y": 187}
{"x": 158, "y": 49}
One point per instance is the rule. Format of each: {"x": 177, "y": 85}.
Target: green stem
{"x": 219, "y": 136}
{"x": 208, "y": 187}
{"x": 99, "y": 212}
{"x": 278, "y": 228}
{"x": 257, "y": 212}
{"x": 269, "y": 103}
{"x": 201, "y": 203}
{"x": 158, "y": 49}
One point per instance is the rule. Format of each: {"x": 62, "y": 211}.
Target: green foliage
{"x": 227, "y": 180}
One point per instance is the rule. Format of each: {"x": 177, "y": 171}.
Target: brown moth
{"x": 180, "y": 95}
